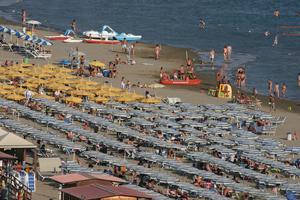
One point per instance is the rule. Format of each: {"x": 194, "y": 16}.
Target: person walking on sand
{"x": 276, "y": 90}
{"x": 123, "y": 84}
{"x": 270, "y": 87}
{"x": 124, "y": 45}
{"x": 212, "y": 55}
{"x": 283, "y": 90}
{"x": 157, "y": 52}
{"x": 272, "y": 103}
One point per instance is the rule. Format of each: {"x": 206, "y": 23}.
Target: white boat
{"x": 108, "y": 33}
{"x": 72, "y": 40}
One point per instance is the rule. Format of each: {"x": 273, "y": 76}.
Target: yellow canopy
{"x": 111, "y": 94}
{"x": 30, "y": 85}
{"x": 73, "y": 99}
{"x": 85, "y": 87}
{"x": 97, "y": 63}
{"x": 5, "y": 92}
{"x": 36, "y": 80}
{"x": 101, "y": 100}
{"x": 58, "y": 87}
{"x": 151, "y": 100}
{"x": 81, "y": 93}
{"x": 125, "y": 99}
{"x": 7, "y": 87}
{"x": 43, "y": 96}
{"x": 14, "y": 97}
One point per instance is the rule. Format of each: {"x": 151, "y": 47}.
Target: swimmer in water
{"x": 275, "y": 43}
{"x": 267, "y": 34}
{"x": 299, "y": 79}
{"x": 276, "y": 13}
{"x": 202, "y": 24}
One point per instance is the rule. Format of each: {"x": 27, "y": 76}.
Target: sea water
{"x": 239, "y": 23}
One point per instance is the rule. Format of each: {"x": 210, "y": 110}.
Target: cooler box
{"x": 106, "y": 73}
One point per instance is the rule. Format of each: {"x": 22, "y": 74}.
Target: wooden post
{"x": 24, "y": 155}
{"x": 35, "y": 161}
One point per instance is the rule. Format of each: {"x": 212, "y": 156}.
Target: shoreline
{"x": 207, "y": 77}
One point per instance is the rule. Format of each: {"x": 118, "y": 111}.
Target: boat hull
{"x": 58, "y": 37}
{"x": 181, "y": 82}
{"x": 97, "y": 41}
{"x": 70, "y": 40}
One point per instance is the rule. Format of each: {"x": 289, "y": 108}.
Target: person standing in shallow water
{"x": 270, "y": 87}
{"x": 283, "y": 90}
{"x": 276, "y": 90}
{"x": 157, "y": 52}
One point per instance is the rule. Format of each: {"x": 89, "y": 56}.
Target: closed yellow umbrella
{"x": 43, "y": 96}
{"x": 15, "y": 97}
{"x": 151, "y": 100}
{"x": 73, "y": 99}
{"x": 97, "y": 63}
{"x": 101, "y": 100}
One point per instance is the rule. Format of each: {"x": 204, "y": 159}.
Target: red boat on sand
{"x": 180, "y": 82}
{"x": 101, "y": 41}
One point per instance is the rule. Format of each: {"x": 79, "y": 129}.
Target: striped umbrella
{"x": 26, "y": 37}
{"x": 44, "y": 42}
{"x": 19, "y": 34}
{"x": 3, "y": 29}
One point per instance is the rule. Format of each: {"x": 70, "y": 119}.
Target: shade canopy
{"x": 11, "y": 141}
{"x": 100, "y": 191}
{"x": 77, "y": 177}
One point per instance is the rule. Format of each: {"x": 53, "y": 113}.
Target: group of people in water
{"x": 183, "y": 73}
{"x": 276, "y": 92}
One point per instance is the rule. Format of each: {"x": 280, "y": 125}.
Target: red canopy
{"x": 5, "y": 156}
{"x": 100, "y": 191}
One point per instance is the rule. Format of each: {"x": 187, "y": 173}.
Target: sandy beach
{"x": 146, "y": 71}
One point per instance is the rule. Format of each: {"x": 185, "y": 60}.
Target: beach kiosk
{"x": 224, "y": 91}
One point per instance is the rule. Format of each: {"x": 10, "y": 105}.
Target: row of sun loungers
{"x": 164, "y": 126}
